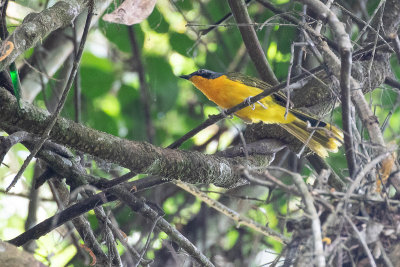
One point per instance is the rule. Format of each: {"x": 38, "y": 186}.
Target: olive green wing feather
{"x": 279, "y": 97}
{"x": 248, "y": 80}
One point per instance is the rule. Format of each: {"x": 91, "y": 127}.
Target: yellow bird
{"x": 228, "y": 90}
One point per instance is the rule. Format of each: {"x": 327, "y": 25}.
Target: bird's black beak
{"x": 186, "y": 77}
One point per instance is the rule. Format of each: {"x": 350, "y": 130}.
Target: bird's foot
{"x": 248, "y": 102}
{"x": 225, "y": 114}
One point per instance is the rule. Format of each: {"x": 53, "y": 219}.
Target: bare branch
{"x": 362, "y": 241}
{"x": 144, "y": 91}
{"x": 312, "y": 212}
{"x": 345, "y": 75}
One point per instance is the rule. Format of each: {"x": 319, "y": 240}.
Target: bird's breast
{"x": 226, "y": 93}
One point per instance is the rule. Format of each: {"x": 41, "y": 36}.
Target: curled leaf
{"x": 6, "y": 49}
{"x": 88, "y": 250}
{"x": 131, "y": 12}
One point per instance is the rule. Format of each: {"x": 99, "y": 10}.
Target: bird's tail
{"x": 324, "y": 137}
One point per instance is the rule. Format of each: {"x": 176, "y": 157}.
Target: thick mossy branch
{"x": 141, "y": 157}
{"x": 36, "y": 26}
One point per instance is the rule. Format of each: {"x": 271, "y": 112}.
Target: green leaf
{"x": 118, "y": 34}
{"x": 225, "y": 52}
{"x": 181, "y": 43}
{"x": 95, "y": 82}
{"x": 230, "y": 239}
{"x": 90, "y": 60}
{"x": 157, "y": 22}
{"x": 133, "y": 114}
{"x": 217, "y": 10}
{"x": 184, "y": 4}
{"x": 284, "y": 38}
{"x": 163, "y": 83}
{"x": 101, "y": 121}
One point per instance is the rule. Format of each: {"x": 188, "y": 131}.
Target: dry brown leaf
{"x": 88, "y": 250}
{"x": 6, "y": 49}
{"x": 131, "y": 12}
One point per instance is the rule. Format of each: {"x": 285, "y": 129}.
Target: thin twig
{"x": 367, "y": 25}
{"x": 369, "y": 120}
{"x": 109, "y": 234}
{"x": 345, "y": 74}
{"x": 139, "y": 206}
{"x": 301, "y": 44}
{"x": 75, "y": 210}
{"x": 360, "y": 21}
{"x": 362, "y": 173}
{"x": 355, "y": 197}
{"x": 146, "y": 246}
{"x": 371, "y": 61}
{"x": 252, "y": 177}
{"x": 216, "y": 24}
{"x": 144, "y": 91}
{"x": 77, "y": 84}
{"x": 302, "y": 24}
{"x": 319, "y": 164}
{"x": 6, "y": 142}
{"x": 80, "y": 223}
{"x": 385, "y": 257}
{"x": 362, "y": 241}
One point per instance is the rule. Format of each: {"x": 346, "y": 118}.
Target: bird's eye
{"x": 205, "y": 73}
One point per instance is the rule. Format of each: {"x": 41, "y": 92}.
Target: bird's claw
{"x": 223, "y": 112}
{"x": 248, "y": 101}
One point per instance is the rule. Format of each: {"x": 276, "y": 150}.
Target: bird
{"x": 230, "y": 89}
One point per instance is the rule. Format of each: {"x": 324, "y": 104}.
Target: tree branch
{"x": 312, "y": 212}
{"x": 239, "y": 11}
{"x": 191, "y": 167}
{"x": 37, "y": 26}
{"x": 345, "y": 75}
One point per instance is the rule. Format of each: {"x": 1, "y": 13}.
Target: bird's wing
{"x": 279, "y": 97}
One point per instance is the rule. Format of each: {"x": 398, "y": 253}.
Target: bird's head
{"x": 206, "y": 74}
{"x": 201, "y": 78}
